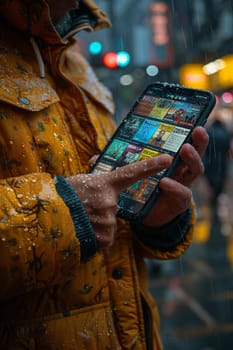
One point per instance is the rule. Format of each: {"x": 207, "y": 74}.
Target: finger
{"x": 200, "y": 140}
{"x": 92, "y": 161}
{"x": 178, "y": 196}
{"x": 106, "y": 239}
{"x": 103, "y": 202}
{"x": 191, "y": 157}
{"x": 105, "y": 226}
{"x": 105, "y": 235}
{"x": 192, "y": 165}
{"x": 127, "y": 175}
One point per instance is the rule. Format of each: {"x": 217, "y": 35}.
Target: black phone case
{"x": 174, "y": 90}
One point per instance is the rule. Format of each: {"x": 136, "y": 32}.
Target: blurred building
{"x": 177, "y": 41}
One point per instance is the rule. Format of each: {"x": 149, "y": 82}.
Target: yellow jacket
{"x": 49, "y": 300}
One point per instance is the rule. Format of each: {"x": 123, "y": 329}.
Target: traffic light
{"x": 113, "y": 60}
{"x": 110, "y": 60}
{"x": 95, "y": 47}
{"x": 123, "y": 58}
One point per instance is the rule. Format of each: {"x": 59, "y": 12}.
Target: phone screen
{"x": 160, "y": 121}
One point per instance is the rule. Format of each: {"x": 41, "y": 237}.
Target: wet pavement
{"x": 194, "y": 293}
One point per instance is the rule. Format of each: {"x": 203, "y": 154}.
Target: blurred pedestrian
{"x": 216, "y": 159}
{"x": 72, "y": 273}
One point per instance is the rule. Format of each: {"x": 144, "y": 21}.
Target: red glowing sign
{"x": 160, "y": 21}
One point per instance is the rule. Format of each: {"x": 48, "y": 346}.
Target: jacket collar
{"x": 33, "y": 19}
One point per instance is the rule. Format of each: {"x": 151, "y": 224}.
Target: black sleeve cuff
{"x": 167, "y": 236}
{"x": 83, "y": 228}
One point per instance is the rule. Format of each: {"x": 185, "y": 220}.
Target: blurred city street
{"x": 195, "y": 293}
{"x": 190, "y": 43}
{"x": 79, "y": 211}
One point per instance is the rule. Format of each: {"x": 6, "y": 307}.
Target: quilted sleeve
{"x": 38, "y": 244}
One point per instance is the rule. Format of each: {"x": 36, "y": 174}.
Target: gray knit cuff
{"x": 83, "y": 228}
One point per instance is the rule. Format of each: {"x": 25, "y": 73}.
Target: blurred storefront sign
{"x": 160, "y": 22}
{"x": 225, "y": 75}
{"x": 216, "y": 75}
{"x": 192, "y": 75}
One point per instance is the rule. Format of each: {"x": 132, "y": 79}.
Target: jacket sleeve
{"x": 38, "y": 244}
{"x": 168, "y": 242}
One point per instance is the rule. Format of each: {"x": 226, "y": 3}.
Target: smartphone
{"x": 160, "y": 121}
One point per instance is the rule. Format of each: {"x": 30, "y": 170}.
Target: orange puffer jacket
{"x": 49, "y": 300}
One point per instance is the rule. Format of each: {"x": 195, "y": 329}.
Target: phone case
{"x": 160, "y": 121}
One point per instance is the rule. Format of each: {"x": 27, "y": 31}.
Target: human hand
{"x": 99, "y": 193}
{"x": 176, "y": 191}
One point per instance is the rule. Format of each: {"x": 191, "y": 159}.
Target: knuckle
{"x": 109, "y": 202}
{"x": 105, "y": 237}
{"x": 202, "y": 168}
{"x": 184, "y": 202}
